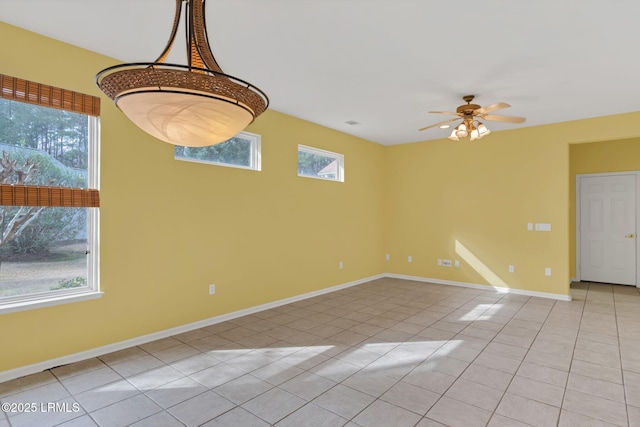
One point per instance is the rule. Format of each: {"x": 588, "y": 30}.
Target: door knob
{"x": 629, "y": 236}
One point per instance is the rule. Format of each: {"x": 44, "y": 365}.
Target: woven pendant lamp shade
{"x": 192, "y": 105}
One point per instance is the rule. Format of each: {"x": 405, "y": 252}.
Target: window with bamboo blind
{"x": 49, "y": 175}
{"x": 21, "y": 90}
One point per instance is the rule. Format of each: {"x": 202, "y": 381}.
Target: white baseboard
{"x": 483, "y": 287}
{"x": 121, "y": 345}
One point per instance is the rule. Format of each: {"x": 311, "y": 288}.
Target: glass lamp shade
{"x": 462, "y": 132}
{"x": 474, "y": 135}
{"x": 483, "y": 130}
{"x": 453, "y": 136}
{"x": 187, "y": 119}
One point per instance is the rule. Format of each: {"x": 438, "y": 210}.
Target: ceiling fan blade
{"x": 443, "y": 112}
{"x": 492, "y": 107}
{"x": 439, "y": 123}
{"x": 498, "y": 118}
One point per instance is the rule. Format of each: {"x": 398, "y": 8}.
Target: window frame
{"x": 92, "y": 290}
{"x": 325, "y": 153}
{"x": 255, "y": 159}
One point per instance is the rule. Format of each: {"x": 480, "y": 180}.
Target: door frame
{"x": 578, "y": 204}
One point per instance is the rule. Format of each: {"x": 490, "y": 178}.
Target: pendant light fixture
{"x": 192, "y": 105}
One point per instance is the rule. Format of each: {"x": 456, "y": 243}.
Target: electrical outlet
{"x": 409, "y": 258}
{"x": 439, "y": 261}
{"x": 530, "y": 226}
{"x": 340, "y": 265}
{"x": 387, "y": 257}
{"x": 446, "y": 262}
{"x": 547, "y": 271}
{"x": 457, "y": 263}
{"x": 212, "y": 289}
{"x": 512, "y": 269}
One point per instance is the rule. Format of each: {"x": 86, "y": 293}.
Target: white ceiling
{"x": 385, "y": 63}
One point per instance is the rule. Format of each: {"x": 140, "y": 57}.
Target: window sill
{"x": 48, "y": 302}
{"x": 321, "y": 178}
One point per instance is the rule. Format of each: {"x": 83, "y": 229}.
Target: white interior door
{"x": 608, "y": 229}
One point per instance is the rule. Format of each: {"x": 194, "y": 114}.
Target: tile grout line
{"x": 378, "y": 296}
{"x": 470, "y": 363}
{"x": 74, "y": 394}
{"x": 564, "y": 392}
{"x": 305, "y": 371}
{"x": 387, "y": 328}
{"x": 521, "y": 362}
{"x": 441, "y": 345}
{"x": 618, "y": 347}
{"x": 414, "y": 335}
{"x": 396, "y": 381}
{"x": 624, "y": 388}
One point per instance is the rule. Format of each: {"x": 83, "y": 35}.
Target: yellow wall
{"x": 264, "y": 236}
{"x": 472, "y": 201}
{"x": 259, "y": 236}
{"x": 598, "y": 157}
{"x": 482, "y": 195}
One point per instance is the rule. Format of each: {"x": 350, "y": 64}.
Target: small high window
{"x": 321, "y": 164}
{"x": 241, "y": 151}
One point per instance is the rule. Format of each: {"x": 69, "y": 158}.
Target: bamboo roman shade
{"x": 62, "y": 99}
{"x": 35, "y": 195}
{"x": 48, "y": 96}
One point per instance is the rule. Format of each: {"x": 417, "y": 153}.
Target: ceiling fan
{"x": 471, "y": 114}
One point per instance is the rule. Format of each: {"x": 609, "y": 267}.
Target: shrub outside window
{"x": 320, "y": 164}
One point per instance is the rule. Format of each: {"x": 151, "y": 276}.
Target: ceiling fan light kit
{"x": 193, "y": 105}
{"x": 471, "y": 126}
{"x": 475, "y": 129}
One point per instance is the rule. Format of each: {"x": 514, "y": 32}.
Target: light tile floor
{"x": 386, "y": 353}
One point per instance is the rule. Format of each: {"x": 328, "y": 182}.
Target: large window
{"x": 322, "y": 164}
{"x": 241, "y": 151}
{"x": 48, "y": 252}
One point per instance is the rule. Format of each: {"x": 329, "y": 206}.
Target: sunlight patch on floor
{"x": 480, "y": 308}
